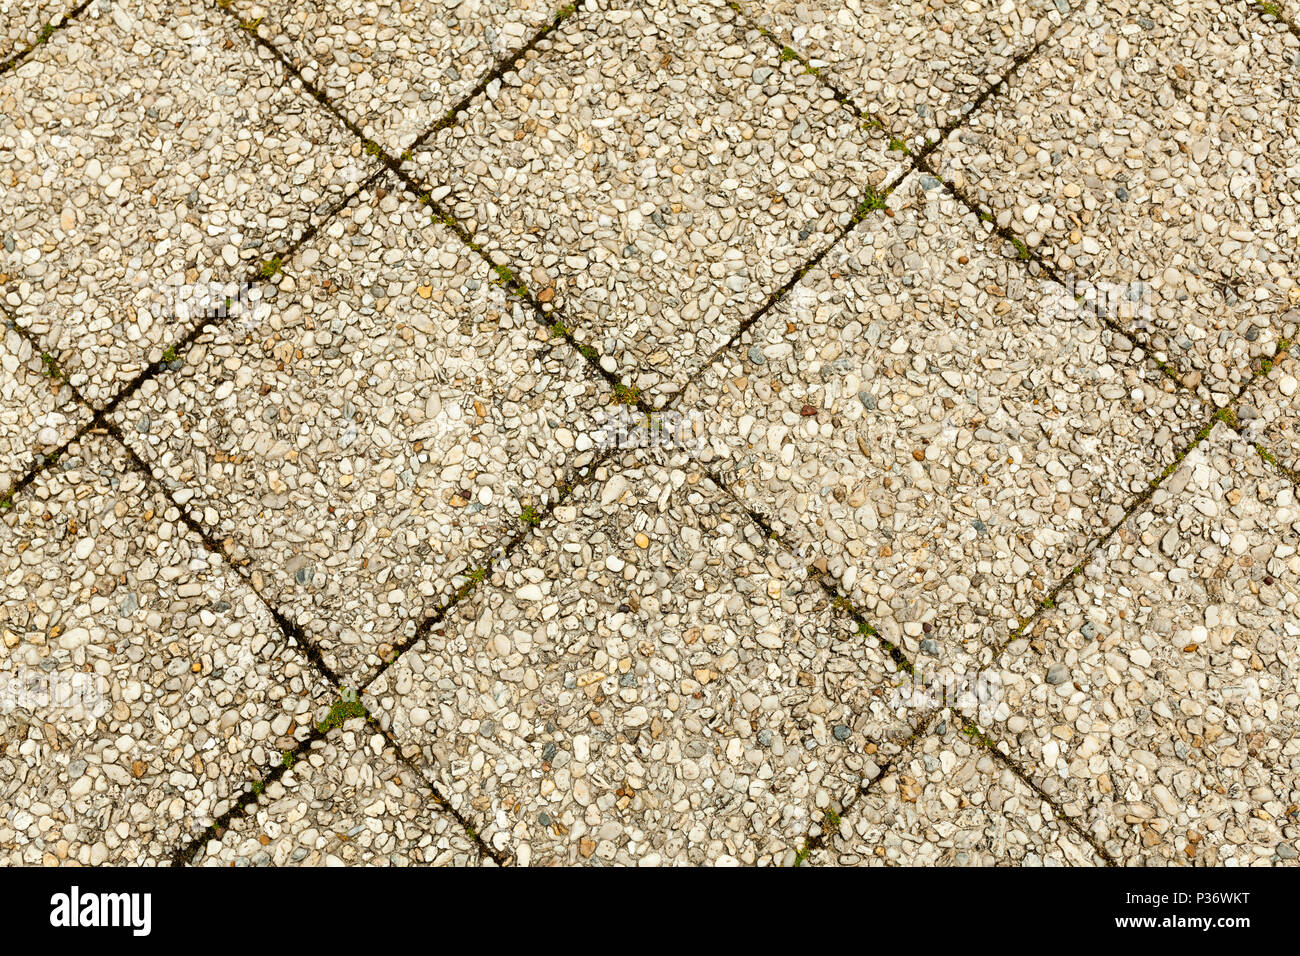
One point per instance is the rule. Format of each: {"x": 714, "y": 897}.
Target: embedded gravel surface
{"x": 640, "y": 432}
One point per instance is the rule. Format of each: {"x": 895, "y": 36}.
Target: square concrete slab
{"x": 372, "y": 428}
{"x": 347, "y": 801}
{"x": 150, "y": 152}
{"x": 1153, "y": 147}
{"x": 942, "y": 432}
{"x": 654, "y": 173}
{"x": 144, "y": 683}
{"x": 396, "y": 67}
{"x": 950, "y": 802}
{"x": 1159, "y": 701}
{"x": 916, "y": 67}
{"x": 647, "y": 679}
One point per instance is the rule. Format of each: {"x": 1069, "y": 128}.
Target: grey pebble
{"x": 1058, "y": 674}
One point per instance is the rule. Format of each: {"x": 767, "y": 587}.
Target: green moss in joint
{"x": 1228, "y": 416}
{"x": 506, "y": 278}
{"x": 977, "y": 735}
{"x": 873, "y": 201}
{"x": 346, "y": 707}
{"x": 626, "y": 394}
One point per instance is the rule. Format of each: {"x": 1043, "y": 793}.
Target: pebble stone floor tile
{"x": 649, "y": 432}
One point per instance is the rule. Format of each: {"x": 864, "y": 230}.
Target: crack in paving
{"x": 51, "y": 369}
{"x": 503, "y": 66}
{"x": 1267, "y": 9}
{"x": 291, "y": 631}
{"x": 1034, "y": 260}
{"x": 177, "y": 350}
{"x": 479, "y": 575}
{"x": 831, "y": 820}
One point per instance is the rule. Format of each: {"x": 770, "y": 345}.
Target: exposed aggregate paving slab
{"x": 647, "y": 680}
{"x": 967, "y": 590}
{"x": 944, "y": 433}
{"x": 150, "y": 149}
{"x": 24, "y": 23}
{"x": 397, "y": 66}
{"x": 1156, "y": 143}
{"x": 38, "y": 412}
{"x": 373, "y": 429}
{"x": 1159, "y": 701}
{"x": 918, "y": 67}
{"x": 654, "y": 174}
{"x": 1270, "y": 412}
{"x": 195, "y": 688}
{"x": 949, "y": 802}
{"x": 348, "y": 801}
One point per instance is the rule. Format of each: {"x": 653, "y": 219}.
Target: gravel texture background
{"x": 644, "y": 432}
